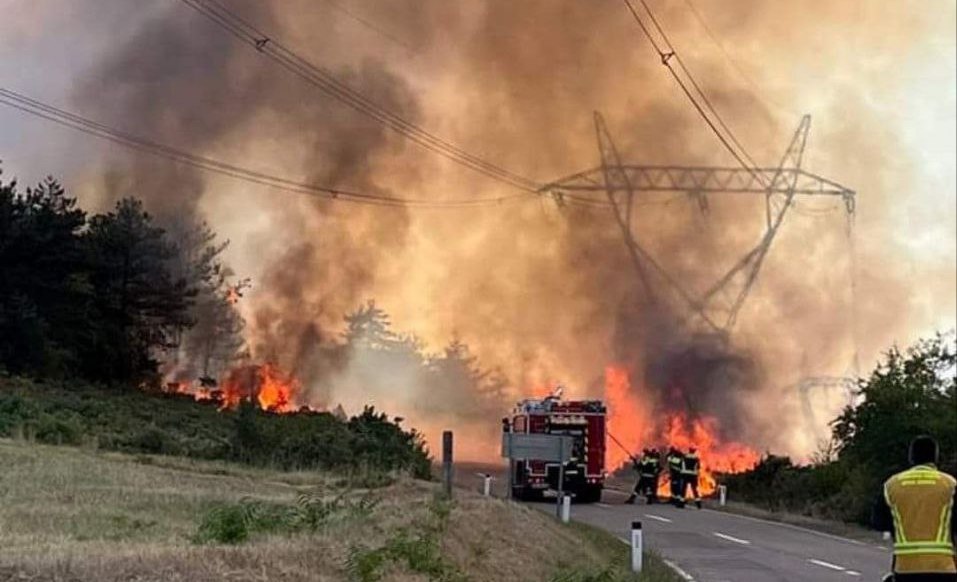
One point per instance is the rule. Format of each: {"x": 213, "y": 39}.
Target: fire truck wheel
{"x": 589, "y": 495}
{"x": 526, "y": 494}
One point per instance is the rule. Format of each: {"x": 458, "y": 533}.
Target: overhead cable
{"x": 324, "y": 80}
{"x": 667, "y": 52}
{"x": 39, "y": 109}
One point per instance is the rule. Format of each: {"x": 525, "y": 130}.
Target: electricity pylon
{"x": 718, "y": 307}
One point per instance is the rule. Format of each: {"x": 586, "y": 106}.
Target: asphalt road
{"x": 712, "y": 546}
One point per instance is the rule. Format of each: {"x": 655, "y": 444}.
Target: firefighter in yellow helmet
{"x": 918, "y": 505}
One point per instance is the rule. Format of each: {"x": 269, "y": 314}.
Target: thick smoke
{"x": 544, "y": 292}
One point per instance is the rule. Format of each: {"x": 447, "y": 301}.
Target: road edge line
{"x": 677, "y": 569}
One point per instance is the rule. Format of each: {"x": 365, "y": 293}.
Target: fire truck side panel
{"x": 596, "y": 446}
{"x": 584, "y": 474}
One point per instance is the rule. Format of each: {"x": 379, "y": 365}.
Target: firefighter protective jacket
{"x": 675, "y": 463}
{"x": 649, "y": 466}
{"x": 691, "y": 464}
{"x": 921, "y": 502}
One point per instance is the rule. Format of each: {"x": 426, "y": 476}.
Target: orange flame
{"x": 716, "y": 456}
{"x": 273, "y": 389}
{"x": 629, "y": 420}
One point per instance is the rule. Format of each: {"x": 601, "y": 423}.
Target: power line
{"x": 737, "y": 150}
{"x": 370, "y": 25}
{"x": 756, "y": 89}
{"x": 325, "y": 81}
{"x": 65, "y": 118}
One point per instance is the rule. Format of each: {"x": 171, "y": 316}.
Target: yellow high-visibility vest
{"x": 921, "y": 500}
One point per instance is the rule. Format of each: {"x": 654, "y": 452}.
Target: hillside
{"x": 79, "y": 514}
{"x": 130, "y": 420}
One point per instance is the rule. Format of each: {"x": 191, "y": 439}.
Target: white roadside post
{"x": 636, "y": 546}
{"x": 566, "y": 508}
{"x": 723, "y": 493}
{"x": 487, "y": 486}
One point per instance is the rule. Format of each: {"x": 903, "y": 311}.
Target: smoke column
{"x": 545, "y": 293}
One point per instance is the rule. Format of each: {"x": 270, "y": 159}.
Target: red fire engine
{"x": 585, "y": 472}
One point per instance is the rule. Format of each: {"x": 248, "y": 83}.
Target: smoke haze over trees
{"x": 103, "y": 297}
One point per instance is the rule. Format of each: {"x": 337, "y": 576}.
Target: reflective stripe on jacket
{"x": 675, "y": 462}
{"x": 921, "y": 501}
{"x": 690, "y": 464}
{"x": 649, "y": 467}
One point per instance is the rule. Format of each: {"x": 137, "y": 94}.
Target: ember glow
{"x": 274, "y": 390}
{"x": 630, "y": 421}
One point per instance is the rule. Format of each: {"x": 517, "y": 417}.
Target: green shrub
{"x": 419, "y": 551}
{"x": 234, "y": 523}
{"x": 367, "y": 448}
{"x": 225, "y": 525}
{"x": 58, "y": 430}
{"x": 607, "y": 574}
{"x": 365, "y": 565}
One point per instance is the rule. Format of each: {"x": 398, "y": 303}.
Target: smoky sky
{"x": 542, "y": 291}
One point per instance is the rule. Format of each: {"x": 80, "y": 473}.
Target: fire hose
{"x": 623, "y": 447}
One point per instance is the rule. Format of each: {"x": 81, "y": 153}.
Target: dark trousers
{"x": 647, "y": 485}
{"x": 691, "y": 481}
{"x": 677, "y": 486}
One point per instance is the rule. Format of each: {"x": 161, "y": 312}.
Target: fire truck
{"x": 585, "y": 472}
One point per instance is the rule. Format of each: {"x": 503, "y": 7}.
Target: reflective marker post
{"x": 566, "y": 508}
{"x": 487, "y": 486}
{"x": 636, "y": 546}
{"x": 723, "y": 493}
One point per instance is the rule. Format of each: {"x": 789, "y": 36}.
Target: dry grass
{"x": 70, "y": 514}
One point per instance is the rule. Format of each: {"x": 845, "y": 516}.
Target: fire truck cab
{"x": 585, "y": 471}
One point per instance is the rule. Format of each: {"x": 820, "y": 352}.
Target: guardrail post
{"x": 636, "y": 546}
{"x": 566, "y": 508}
{"x": 447, "y": 463}
{"x": 723, "y": 494}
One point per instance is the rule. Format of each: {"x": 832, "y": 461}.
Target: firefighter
{"x": 653, "y": 471}
{"x": 639, "y": 464}
{"x": 647, "y": 485}
{"x": 917, "y": 505}
{"x": 675, "y": 462}
{"x": 689, "y": 474}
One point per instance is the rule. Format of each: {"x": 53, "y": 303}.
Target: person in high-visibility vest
{"x": 675, "y": 463}
{"x": 918, "y": 506}
{"x": 689, "y": 474}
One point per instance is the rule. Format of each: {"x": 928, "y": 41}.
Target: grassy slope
{"x": 74, "y": 514}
